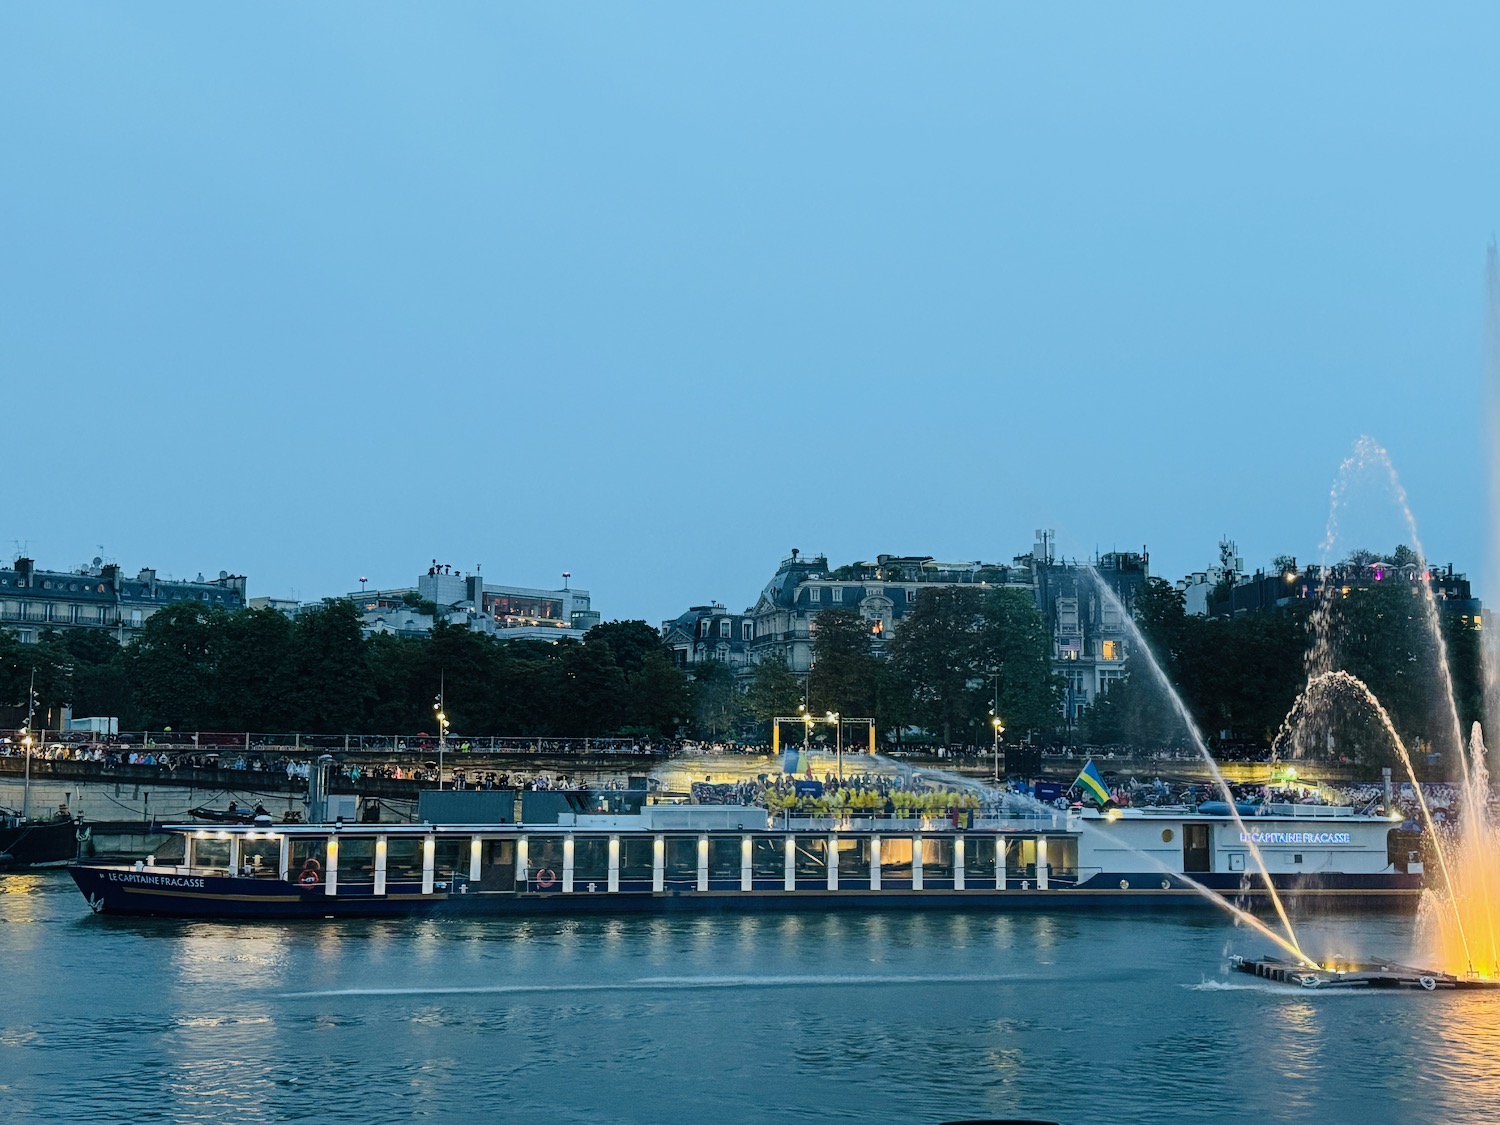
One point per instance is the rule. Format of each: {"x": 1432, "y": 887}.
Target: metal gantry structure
{"x": 833, "y": 718}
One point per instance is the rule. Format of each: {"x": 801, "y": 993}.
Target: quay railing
{"x": 294, "y": 742}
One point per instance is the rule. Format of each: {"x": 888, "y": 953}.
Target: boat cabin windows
{"x": 979, "y": 860}
{"x": 356, "y": 860}
{"x": 895, "y": 858}
{"x": 307, "y": 858}
{"x": 403, "y": 859}
{"x": 637, "y": 857}
{"x": 210, "y": 853}
{"x": 260, "y": 857}
{"x": 173, "y": 851}
{"x": 937, "y": 857}
{"x": 590, "y": 861}
{"x": 544, "y": 859}
{"x": 497, "y": 865}
{"x": 854, "y": 861}
{"x": 450, "y": 857}
{"x": 1020, "y": 858}
{"x": 811, "y": 859}
{"x": 724, "y": 854}
{"x": 1062, "y": 857}
{"x": 681, "y": 870}
{"x": 768, "y": 857}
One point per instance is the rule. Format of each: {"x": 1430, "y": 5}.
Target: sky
{"x": 653, "y": 293}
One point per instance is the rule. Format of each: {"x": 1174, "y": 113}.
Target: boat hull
{"x": 39, "y": 845}
{"x": 117, "y": 890}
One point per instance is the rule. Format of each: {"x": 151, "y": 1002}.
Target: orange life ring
{"x": 308, "y": 878}
{"x": 546, "y": 877}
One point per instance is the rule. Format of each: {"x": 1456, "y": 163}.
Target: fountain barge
{"x": 1355, "y": 974}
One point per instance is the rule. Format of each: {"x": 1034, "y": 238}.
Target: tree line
{"x": 1239, "y": 678}
{"x": 961, "y": 658}
{"x": 196, "y": 667}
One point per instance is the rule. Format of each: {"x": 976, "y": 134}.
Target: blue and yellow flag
{"x": 1093, "y": 784}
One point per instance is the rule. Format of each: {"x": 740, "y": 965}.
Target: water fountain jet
{"x": 1196, "y": 736}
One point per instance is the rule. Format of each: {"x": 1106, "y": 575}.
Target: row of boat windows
{"x": 768, "y": 859}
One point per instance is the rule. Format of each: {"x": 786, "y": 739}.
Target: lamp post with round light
{"x": 442, "y": 725}
{"x": 838, "y": 740}
{"x": 26, "y": 790}
{"x": 999, "y": 730}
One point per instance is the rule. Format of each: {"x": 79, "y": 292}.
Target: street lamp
{"x": 26, "y": 792}
{"x": 838, "y": 740}
{"x": 442, "y": 726}
{"x": 999, "y": 730}
{"x": 31, "y": 702}
{"x": 807, "y": 721}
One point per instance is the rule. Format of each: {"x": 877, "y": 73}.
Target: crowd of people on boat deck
{"x": 855, "y": 795}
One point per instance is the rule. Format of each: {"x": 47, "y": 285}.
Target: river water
{"x": 1121, "y": 1017}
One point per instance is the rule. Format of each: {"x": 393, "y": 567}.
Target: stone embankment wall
{"x": 127, "y": 800}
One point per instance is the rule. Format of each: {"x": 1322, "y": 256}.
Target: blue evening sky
{"x": 655, "y": 292}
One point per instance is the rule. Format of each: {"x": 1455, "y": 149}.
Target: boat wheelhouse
{"x": 716, "y": 857}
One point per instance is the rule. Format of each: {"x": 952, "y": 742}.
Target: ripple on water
{"x": 840, "y": 1018}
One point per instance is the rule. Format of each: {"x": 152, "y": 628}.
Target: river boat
{"x": 469, "y": 854}
{"x": 34, "y": 843}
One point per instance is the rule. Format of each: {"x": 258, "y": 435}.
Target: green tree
{"x": 1014, "y": 642}
{"x": 101, "y": 681}
{"x": 774, "y": 690}
{"x": 330, "y": 671}
{"x": 1133, "y": 712}
{"x": 530, "y": 692}
{"x": 662, "y": 696}
{"x": 461, "y": 664}
{"x": 655, "y": 700}
{"x": 400, "y": 700}
{"x": 630, "y": 642}
{"x": 844, "y": 667}
{"x": 251, "y": 675}
{"x": 172, "y": 666}
{"x": 1405, "y": 556}
{"x": 717, "y": 703}
{"x": 593, "y": 690}
{"x": 938, "y": 650}
{"x": 1381, "y": 636}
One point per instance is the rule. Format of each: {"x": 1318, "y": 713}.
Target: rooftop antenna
{"x": 566, "y": 575}
{"x": 362, "y": 581}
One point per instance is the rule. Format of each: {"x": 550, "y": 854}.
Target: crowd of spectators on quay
{"x": 871, "y": 793}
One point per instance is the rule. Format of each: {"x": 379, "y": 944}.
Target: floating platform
{"x": 1355, "y": 974}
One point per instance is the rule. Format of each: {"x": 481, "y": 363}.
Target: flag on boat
{"x": 1092, "y": 782}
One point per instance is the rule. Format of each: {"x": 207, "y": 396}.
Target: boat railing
{"x": 1027, "y": 822}
{"x": 1309, "y": 812}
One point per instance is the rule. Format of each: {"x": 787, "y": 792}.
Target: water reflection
{"x": 807, "y": 1017}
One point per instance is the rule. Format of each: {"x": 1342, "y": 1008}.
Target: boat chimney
{"x": 1385, "y": 783}
{"x": 317, "y": 789}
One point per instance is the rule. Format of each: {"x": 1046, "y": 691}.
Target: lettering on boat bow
{"x": 183, "y": 881}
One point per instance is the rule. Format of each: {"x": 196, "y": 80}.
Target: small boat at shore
{"x": 33, "y": 843}
{"x": 468, "y": 854}
{"x": 232, "y": 815}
